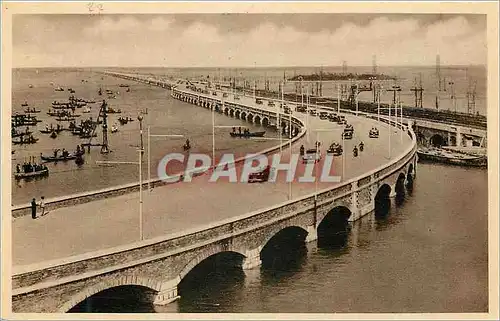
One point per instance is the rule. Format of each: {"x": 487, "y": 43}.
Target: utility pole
{"x": 418, "y": 93}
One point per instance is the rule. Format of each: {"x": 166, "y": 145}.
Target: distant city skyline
{"x": 247, "y": 40}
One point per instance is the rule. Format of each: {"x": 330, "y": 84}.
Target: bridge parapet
{"x": 175, "y": 255}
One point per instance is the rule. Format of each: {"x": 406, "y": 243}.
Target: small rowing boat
{"x": 248, "y": 134}
{"x": 58, "y": 158}
{"x": 31, "y": 111}
{"x": 43, "y": 172}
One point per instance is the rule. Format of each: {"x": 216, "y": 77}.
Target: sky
{"x": 247, "y": 40}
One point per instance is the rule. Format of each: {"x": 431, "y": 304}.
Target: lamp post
{"x": 141, "y": 232}
{"x": 140, "y": 118}
{"x": 149, "y": 152}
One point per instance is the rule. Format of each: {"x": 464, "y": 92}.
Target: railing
{"x": 85, "y": 197}
{"x": 46, "y": 274}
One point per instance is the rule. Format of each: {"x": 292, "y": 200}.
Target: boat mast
{"x": 104, "y": 147}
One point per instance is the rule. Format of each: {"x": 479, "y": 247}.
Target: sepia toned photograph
{"x": 258, "y": 158}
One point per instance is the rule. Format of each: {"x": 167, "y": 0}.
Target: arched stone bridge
{"x": 161, "y": 264}
{"x": 259, "y": 116}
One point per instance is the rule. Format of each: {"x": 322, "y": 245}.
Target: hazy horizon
{"x": 247, "y": 40}
{"x": 258, "y": 67}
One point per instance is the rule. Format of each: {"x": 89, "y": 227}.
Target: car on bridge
{"x": 311, "y": 155}
{"x": 260, "y": 176}
{"x": 341, "y": 120}
{"x": 333, "y": 117}
{"x": 347, "y": 135}
{"x": 301, "y": 109}
{"x": 335, "y": 149}
{"x": 373, "y": 133}
{"x": 323, "y": 115}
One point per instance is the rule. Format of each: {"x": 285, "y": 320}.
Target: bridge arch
{"x": 250, "y": 117}
{"x": 281, "y": 248}
{"x": 237, "y": 113}
{"x": 211, "y": 251}
{"x": 257, "y": 120}
{"x": 399, "y": 187}
{"x": 129, "y": 280}
{"x": 265, "y": 122}
{"x": 332, "y": 229}
{"x": 437, "y": 140}
{"x": 410, "y": 176}
{"x": 382, "y": 201}
{"x": 243, "y": 115}
{"x": 231, "y": 112}
{"x": 226, "y": 110}
{"x": 215, "y": 259}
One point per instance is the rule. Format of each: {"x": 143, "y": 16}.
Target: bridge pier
{"x": 393, "y": 191}
{"x": 168, "y": 293}
{"x": 312, "y": 234}
{"x": 252, "y": 259}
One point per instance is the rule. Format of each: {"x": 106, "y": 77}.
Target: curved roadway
{"x": 169, "y": 209}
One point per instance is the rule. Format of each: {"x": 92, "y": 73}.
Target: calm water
{"x": 165, "y": 116}
{"x": 429, "y": 254}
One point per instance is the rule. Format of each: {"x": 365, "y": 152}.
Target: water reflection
{"x": 213, "y": 284}
{"x": 120, "y": 299}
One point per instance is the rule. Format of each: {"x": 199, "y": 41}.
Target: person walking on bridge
{"x": 33, "y": 208}
{"x": 42, "y": 205}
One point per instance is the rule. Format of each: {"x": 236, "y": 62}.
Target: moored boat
{"x": 248, "y": 134}
{"x": 40, "y": 173}
{"x": 58, "y": 158}
{"x": 22, "y": 140}
{"x": 31, "y": 111}
{"x": 452, "y": 158}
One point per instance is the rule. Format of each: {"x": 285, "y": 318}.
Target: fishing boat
{"x": 58, "y": 158}
{"x": 31, "y": 111}
{"x": 59, "y": 89}
{"x": 113, "y": 111}
{"x": 125, "y": 120}
{"x": 40, "y": 173}
{"x": 14, "y": 133}
{"x": 25, "y": 104}
{"x": 30, "y": 86}
{"x": 22, "y": 141}
{"x": 87, "y": 135}
{"x": 114, "y": 128}
{"x": 248, "y": 134}
{"x": 453, "y": 158}
{"x": 86, "y": 109}
{"x": 123, "y": 85}
{"x": 67, "y": 118}
{"x": 48, "y": 130}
